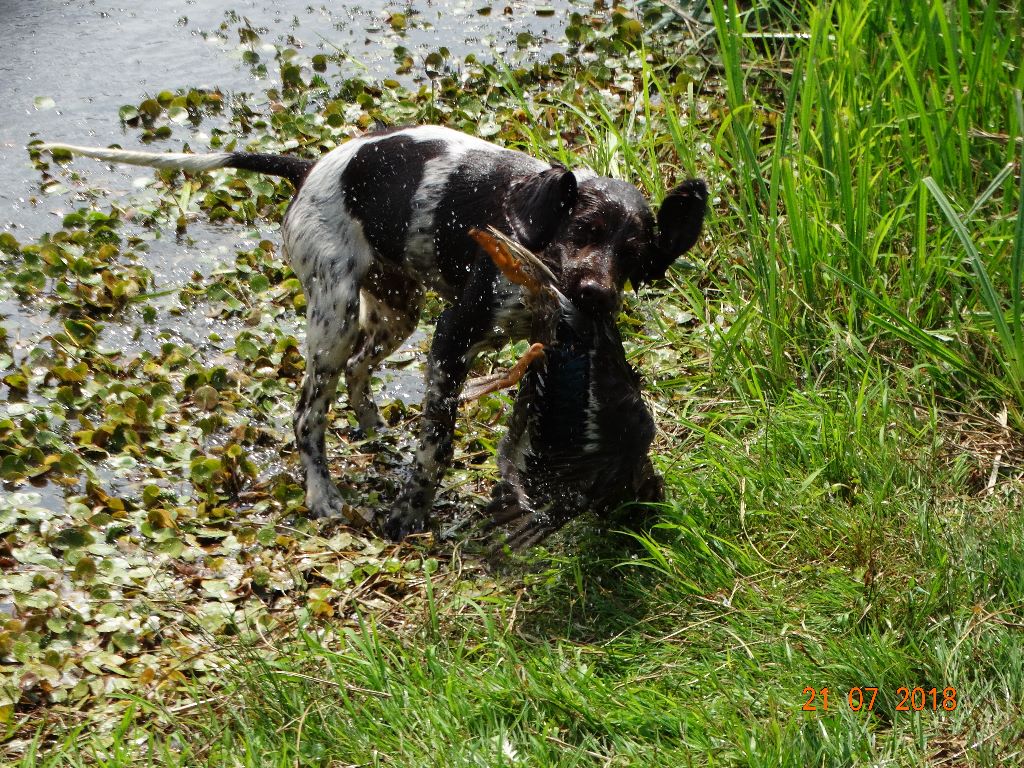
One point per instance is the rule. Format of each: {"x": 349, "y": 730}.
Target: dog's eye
{"x": 630, "y": 251}
{"x": 591, "y": 231}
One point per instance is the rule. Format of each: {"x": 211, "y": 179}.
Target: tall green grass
{"x": 866, "y": 188}
{"x": 868, "y": 168}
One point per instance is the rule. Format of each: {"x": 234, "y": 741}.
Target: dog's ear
{"x": 679, "y": 222}
{"x": 537, "y": 204}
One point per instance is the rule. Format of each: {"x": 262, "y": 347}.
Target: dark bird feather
{"x": 579, "y": 434}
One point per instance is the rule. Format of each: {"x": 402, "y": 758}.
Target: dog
{"x": 579, "y": 434}
{"x": 383, "y": 217}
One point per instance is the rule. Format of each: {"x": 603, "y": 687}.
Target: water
{"x": 92, "y": 57}
{"x": 86, "y": 59}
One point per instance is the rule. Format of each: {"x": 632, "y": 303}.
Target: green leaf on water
{"x": 128, "y": 113}
{"x": 177, "y": 114}
{"x": 172, "y": 547}
{"x": 150, "y": 108}
{"x": 206, "y": 397}
{"x": 246, "y": 346}
{"x": 81, "y": 333}
{"x": 8, "y": 243}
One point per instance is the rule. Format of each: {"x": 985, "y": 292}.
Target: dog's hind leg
{"x": 388, "y": 314}
{"x": 330, "y": 340}
{"x": 331, "y": 260}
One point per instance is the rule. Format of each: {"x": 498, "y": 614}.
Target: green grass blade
{"x": 1010, "y": 338}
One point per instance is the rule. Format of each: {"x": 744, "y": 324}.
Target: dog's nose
{"x": 597, "y": 296}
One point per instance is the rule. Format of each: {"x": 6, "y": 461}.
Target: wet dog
{"x": 579, "y": 434}
{"x": 385, "y": 216}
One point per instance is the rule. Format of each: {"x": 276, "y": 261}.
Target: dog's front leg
{"x": 479, "y": 320}
{"x": 447, "y": 367}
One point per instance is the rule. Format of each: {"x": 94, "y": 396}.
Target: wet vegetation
{"x": 839, "y": 391}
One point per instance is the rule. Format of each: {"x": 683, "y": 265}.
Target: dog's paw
{"x": 411, "y": 512}
{"x": 650, "y": 486}
{"x": 402, "y": 522}
{"x": 370, "y": 420}
{"x": 508, "y": 503}
{"x": 327, "y": 503}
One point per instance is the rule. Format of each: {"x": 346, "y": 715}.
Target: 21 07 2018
{"x": 863, "y": 698}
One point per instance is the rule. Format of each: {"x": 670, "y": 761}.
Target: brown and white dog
{"x": 385, "y": 216}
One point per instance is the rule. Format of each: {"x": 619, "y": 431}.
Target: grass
{"x": 851, "y": 214}
{"x": 844, "y": 505}
{"x": 693, "y": 644}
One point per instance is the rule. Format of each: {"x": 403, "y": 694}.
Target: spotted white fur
{"x": 167, "y": 160}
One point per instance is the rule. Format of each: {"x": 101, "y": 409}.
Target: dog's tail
{"x": 292, "y": 168}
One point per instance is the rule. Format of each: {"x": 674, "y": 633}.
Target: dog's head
{"x": 597, "y": 233}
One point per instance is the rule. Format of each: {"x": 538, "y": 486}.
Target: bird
{"x": 579, "y": 436}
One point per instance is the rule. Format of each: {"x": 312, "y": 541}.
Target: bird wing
{"x": 540, "y": 295}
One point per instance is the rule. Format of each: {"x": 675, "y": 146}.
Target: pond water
{"x": 68, "y": 66}
{"x": 89, "y": 58}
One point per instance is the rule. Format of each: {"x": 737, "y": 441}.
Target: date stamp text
{"x": 863, "y": 698}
